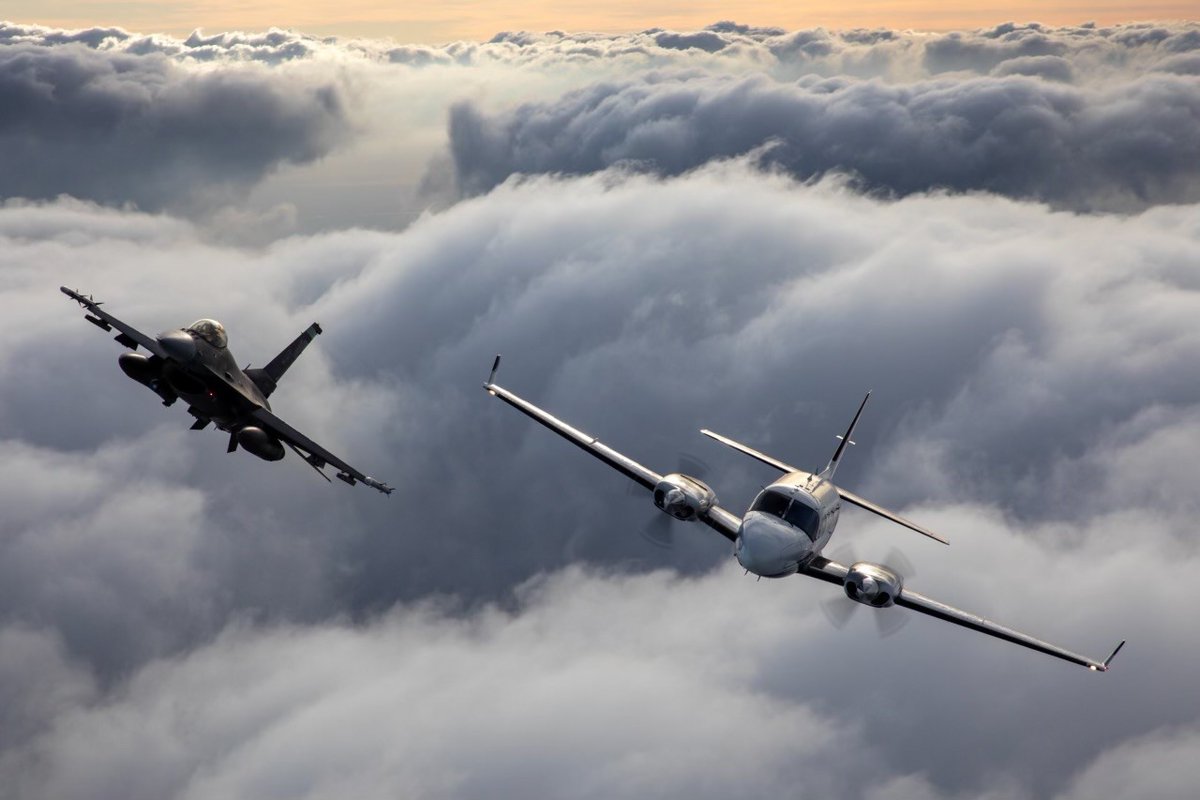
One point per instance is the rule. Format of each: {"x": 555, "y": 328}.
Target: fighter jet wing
{"x": 317, "y": 456}
{"x": 833, "y": 572}
{"x": 716, "y": 517}
{"x": 129, "y": 336}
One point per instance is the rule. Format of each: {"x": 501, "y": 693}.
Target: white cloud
{"x": 176, "y": 622}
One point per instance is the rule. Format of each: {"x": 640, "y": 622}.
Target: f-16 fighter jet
{"x": 786, "y": 528}
{"x": 194, "y": 364}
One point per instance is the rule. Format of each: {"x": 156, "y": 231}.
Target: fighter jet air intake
{"x": 194, "y": 364}
{"x": 788, "y": 525}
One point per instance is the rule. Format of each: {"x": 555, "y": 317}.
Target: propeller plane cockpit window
{"x": 210, "y": 331}
{"x": 773, "y": 503}
{"x": 794, "y": 512}
{"x": 804, "y": 517}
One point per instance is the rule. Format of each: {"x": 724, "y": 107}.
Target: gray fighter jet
{"x": 194, "y": 364}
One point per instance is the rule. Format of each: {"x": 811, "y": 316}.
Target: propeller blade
{"x": 659, "y": 532}
{"x": 691, "y": 465}
{"x": 839, "y": 610}
{"x": 845, "y": 554}
{"x": 685, "y": 463}
{"x": 897, "y": 561}
{"x": 889, "y": 620}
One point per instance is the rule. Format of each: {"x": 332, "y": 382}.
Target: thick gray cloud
{"x": 1026, "y": 365}
{"x": 176, "y": 622}
{"x": 604, "y": 685}
{"x": 143, "y": 129}
{"x": 1120, "y": 148}
{"x": 263, "y": 134}
{"x": 993, "y": 333}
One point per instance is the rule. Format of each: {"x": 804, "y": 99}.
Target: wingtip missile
{"x": 378, "y": 485}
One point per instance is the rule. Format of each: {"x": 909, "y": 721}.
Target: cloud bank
{"x": 1120, "y": 148}
{"x": 1024, "y": 321}
{"x": 176, "y": 622}
{"x": 1105, "y": 51}
{"x": 600, "y": 698}
{"x": 261, "y": 134}
{"x": 128, "y": 128}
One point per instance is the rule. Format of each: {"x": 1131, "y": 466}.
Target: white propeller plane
{"x": 787, "y": 526}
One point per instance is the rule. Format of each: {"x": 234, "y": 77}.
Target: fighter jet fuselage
{"x": 194, "y": 364}
{"x": 199, "y": 368}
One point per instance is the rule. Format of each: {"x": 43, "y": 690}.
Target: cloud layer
{"x": 1103, "y": 51}
{"x": 1119, "y": 148}
{"x": 176, "y": 622}
{"x": 144, "y": 129}
{"x": 578, "y": 691}
{"x": 1024, "y": 320}
{"x": 293, "y": 131}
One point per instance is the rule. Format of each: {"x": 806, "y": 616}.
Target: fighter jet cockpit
{"x": 794, "y": 512}
{"x": 210, "y": 331}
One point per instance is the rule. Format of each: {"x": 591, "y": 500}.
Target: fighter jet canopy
{"x": 210, "y": 331}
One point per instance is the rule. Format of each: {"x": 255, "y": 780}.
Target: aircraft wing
{"x": 835, "y": 573}
{"x": 129, "y": 336}
{"x": 313, "y": 453}
{"x": 716, "y": 518}
{"x": 862, "y": 502}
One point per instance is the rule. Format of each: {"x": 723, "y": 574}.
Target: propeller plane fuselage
{"x": 788, "y": 524}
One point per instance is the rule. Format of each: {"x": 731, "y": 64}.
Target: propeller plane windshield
{"x": 788, "y": 525}
{"x": 194, "y": 364}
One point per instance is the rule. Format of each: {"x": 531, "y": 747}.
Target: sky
{"x": 739, "y": 225}
{"x": 436, "y": 23}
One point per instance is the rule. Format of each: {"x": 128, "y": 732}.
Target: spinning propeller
{"x": 839, "y": 610}
{"x": 660, "y": 530}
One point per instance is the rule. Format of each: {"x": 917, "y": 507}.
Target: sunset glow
{"x": 476, "y": 20}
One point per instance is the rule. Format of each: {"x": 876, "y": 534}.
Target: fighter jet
{"x": 787, "y": 526}
{"x": 194, "y": 364}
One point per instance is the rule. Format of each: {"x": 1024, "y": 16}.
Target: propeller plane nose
{"x": 179, "y": 345}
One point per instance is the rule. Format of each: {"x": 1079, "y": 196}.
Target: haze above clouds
{"x": 736, "y": 228}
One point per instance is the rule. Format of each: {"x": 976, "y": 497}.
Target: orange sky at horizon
{"x": 450, "y": 20}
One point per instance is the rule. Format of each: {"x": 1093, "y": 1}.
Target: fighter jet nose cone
{"x": 179, "y": 345}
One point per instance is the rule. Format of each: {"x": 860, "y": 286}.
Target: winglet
{"x": 492, "y": 377}
{"x": 1104, "y": 664}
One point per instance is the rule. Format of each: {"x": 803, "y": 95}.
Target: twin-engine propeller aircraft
{"x": 194, "y": 363}
{"x": 787, "y": 526}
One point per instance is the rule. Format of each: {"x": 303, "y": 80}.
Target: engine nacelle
{"x": 683, "y": 497}
{"x": 872, "y": 585}
{"x": 260, "y": 443}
